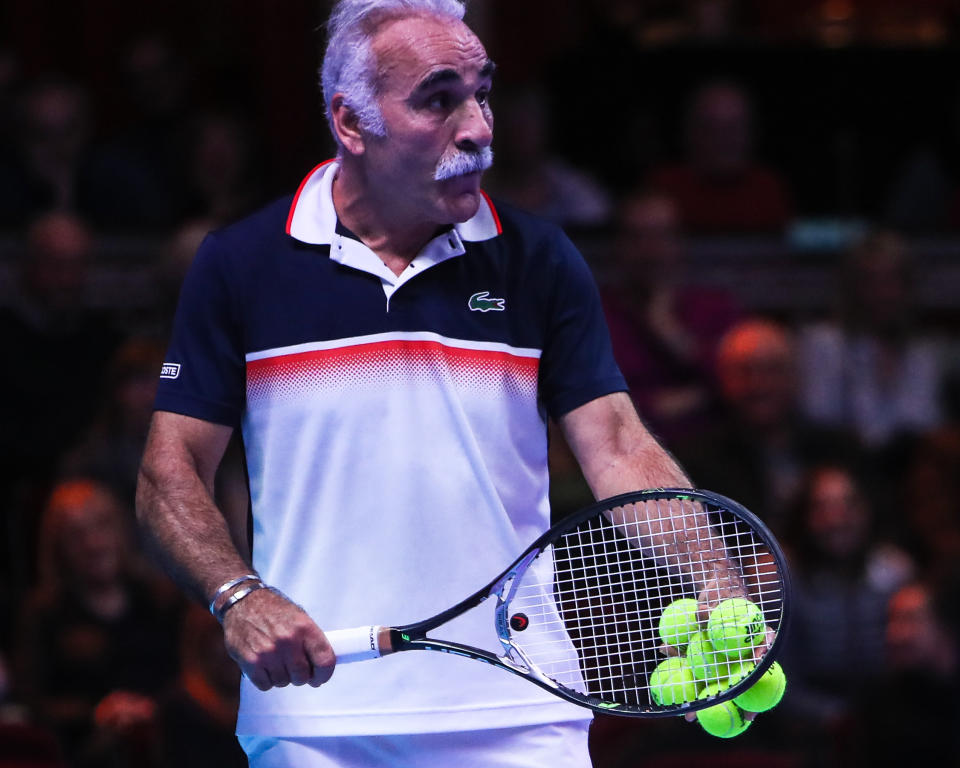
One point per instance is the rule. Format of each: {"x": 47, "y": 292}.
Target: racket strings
{"x": 595, "y": 596}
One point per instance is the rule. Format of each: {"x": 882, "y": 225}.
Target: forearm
{"x": 616, "y": 452}
{"x": 184, "y": 529}
{"x": 618, "y": 455}
{"x": 632, "y": 461}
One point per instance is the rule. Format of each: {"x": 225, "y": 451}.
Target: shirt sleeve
{"x": 578, "y": 363}
{"x": 204, "y": 372}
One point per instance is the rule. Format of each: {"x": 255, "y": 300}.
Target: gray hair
{"x": 349, "y": 66}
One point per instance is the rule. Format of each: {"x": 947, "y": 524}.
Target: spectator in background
{"x": 528, "y": 175}
{"x": 871, "y": 369}
{"x": 664, "y": 329}
{"x": 719, "y": 185}
{"x": 843, "y": 575}
{"x": 96, "y": 642}
{"x": 53, "y": 129}
{"x": 10, "y": 76}
{"x": 221, "y": 174}
{"x": 110, "y": 450}
{"x": 58, "y": 348}
{"x": 176, "y": 256}
{"x": 140, "y": 169}
{"x": 912, "y": 708}
{"x": 758, "y": 447}
{"x": 929, "y": 504}
{"x": 197, "y": 717}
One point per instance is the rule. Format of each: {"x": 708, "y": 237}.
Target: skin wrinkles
{"x": 385, "y": 193}
{"x": 406, "y": 57}
{"x": 434, "y": 76}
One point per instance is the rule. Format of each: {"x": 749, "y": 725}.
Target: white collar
{"x": 313, "y": 219}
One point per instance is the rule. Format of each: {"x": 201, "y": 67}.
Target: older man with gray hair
{"x": 391, "y": 344}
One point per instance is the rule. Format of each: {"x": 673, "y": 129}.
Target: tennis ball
{"x": 679, "y": 621}
{"x": 712, "y": 689}
{"x": 672, "y": 682}
{"x": 704, "y": 661}
{"x": 766, "y": 692}
{"x": 735, "y": 626}
{"x": 723, "y": 720}
{"x": 738, "y": 670}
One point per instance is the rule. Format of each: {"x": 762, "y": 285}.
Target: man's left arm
{"x": 617, "y": 454}
{"x": 615, "y": 450}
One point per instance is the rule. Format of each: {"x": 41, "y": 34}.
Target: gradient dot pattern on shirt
{"x": 377, "y": 365}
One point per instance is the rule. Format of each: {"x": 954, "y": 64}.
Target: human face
{"x": 756, "y": 371}
{"x": 434, "y": 82}
{"x": 90, "y": 539}
{"x": 837, "y": 518}
{"x": 648, "y": 242}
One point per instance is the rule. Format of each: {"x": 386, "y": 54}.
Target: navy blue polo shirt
{"x": 395, "y": 433}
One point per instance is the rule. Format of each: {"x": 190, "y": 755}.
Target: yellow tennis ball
{"x": 723, "y": 720}
{"x": 672, "y": 682}
{"x": 736, "y": 671}
{"x": 678, "y": 621}
{"x": 706, "y": 663}
{"x": 766, "y": 692}
{"x": 735, "y": 626}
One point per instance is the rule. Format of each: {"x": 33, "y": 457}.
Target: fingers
{"x": 761, "y": 650}
{"x": 322, "y": 659}
{"x": 257, "y": 675}
{"x": 275, "y": 643}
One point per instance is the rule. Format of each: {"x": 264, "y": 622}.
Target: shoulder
{"x": 241, "y": 252}
{"x": 265, "y": 225}
{"x": 529, "y": 235}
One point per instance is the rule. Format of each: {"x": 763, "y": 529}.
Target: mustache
{"x": 461, "y": 163}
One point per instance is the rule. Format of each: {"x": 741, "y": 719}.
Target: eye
{"x": 483, "y": 97}
{"x": 439, "y": 100}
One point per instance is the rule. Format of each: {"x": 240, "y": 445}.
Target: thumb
{"x": 321, "y": 657}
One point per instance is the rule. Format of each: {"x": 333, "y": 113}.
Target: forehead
{"x": 756, "y": 343}
{"x": 410, "y": 48}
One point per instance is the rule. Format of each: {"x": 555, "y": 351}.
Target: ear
{"x": 346, "y": 124}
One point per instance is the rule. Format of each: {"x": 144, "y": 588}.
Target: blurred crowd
{"x": 840, "y": 428}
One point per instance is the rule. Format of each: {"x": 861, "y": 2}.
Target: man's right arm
{"x": 272, "y": 639}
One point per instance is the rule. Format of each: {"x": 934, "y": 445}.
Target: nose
{"x": 476, "y": 127}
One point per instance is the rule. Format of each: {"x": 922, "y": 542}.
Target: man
{"x": 720, "y": 187}
{"x": 759, "y": 446}
{"x": 390, "y": 343}
{"x": 664, "y": 328}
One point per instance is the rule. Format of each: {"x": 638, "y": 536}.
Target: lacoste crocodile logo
{"x": 480, "y": 302}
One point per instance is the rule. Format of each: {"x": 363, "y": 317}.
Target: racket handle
{"x": 357, "y": 644}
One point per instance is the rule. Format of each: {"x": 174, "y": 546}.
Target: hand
{"x": 276, "y": 643}
{"x": 716, "y": 591}
{"x": 713, "y": 593}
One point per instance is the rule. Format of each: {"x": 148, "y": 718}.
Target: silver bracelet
{"x": 228, "y": 585}
{"x": 236, "y": 597}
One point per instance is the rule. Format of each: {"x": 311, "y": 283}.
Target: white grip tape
{"x": 355, "y": 644}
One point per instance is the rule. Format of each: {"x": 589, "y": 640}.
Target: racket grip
{"x": 357, "y": 644}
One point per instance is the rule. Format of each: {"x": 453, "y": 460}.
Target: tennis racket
{"x": 577, "y": 613}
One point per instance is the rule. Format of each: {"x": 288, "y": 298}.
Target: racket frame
{"x": 411, "y": 637}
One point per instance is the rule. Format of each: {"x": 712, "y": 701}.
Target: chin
{"x": 463, "y": 207}
{"x": 460, "y": 199}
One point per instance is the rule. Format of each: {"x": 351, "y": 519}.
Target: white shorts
{"x": 528, "y": 746}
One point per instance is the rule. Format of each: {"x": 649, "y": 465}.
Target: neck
{"x": 382, "y": 222}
